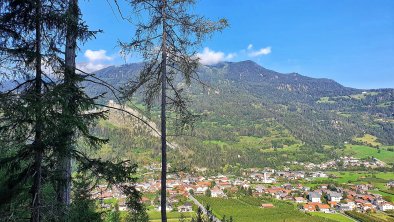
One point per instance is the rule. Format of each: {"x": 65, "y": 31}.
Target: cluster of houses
{"x": 271, "y": 176}
{"x": 346, "y": 161}
{"x": 327, "y": 198}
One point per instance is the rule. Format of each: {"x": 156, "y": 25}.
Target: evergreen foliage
{"x": 46, "y": 115}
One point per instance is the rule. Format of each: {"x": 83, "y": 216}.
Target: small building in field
{"x": 187, "y": 207}
{"x": 267, "y": 205}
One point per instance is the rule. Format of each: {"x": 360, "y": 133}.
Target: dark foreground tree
{"x": 26, "y": 35}
{"x": 167, "y": 40}
{"x": 69, "y": 107}
{"x": 45, "y": 115}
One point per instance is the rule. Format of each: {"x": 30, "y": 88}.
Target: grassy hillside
{"x": 362, "y": 151}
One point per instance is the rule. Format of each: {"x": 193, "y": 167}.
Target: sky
{"x": 350, "y": 41}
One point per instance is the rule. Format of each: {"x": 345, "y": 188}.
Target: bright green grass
{"x": 156, "y": 216}
{"x": 325, "y": 100}
{"x": 368, "y": 139}
{"x": 366, "y": 151}
{"x": 247, "y": 209}
{"x": 256, "y": 142}
{"x": 335, "y": 217}
{"x": 377, "y": 179}
{"x": 216, "y": 142}
{"x": 354, "y": 177}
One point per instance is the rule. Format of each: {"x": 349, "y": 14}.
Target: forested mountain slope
{"x": 247, "y": 108}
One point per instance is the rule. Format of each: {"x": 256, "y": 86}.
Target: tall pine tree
{"x": 45, "y": 111}
{"x": 167, "y": 40}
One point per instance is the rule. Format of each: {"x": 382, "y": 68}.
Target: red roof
{"x": 268, "y": 205}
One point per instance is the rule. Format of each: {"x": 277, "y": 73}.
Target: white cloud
{"x": 210, "y": 57}
{"x": 97, "y": 55}
{"x": 262, "y": 51}
{"x": 250, "y": 46}
{"x": 96, "y": 59}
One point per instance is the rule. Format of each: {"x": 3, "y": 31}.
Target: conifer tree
{"x": 167, "y": 41}
{"x": 46, "y": 111}
{"x": 27, "y": 34}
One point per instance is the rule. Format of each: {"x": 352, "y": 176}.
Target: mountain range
{"x": 248, "y": 108}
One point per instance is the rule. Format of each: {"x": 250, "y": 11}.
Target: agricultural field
{"x": 372, "y": 217}
{"x": 361, "y": 151}
{"x": 335, "y": 217}
{"x": 154, "y": 216}
{"x": 247, "y": 209}
{"x": 366, "y": 177}
{"x": 383, "y": 216}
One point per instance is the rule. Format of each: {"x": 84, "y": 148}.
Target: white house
{"x": 168, "y": 207}
{"x": 324, "y": 208}
{"x": 216, "y": 192}
{"x": 334, "y": 196}
{"x": 386, "y": 206}
{"x": 314, "y": 197}
{"x": 187, "y": 207}
{"x": 201, "y": 189}
{"x": 299, "y": 200}
{"x": 347, "y": 206}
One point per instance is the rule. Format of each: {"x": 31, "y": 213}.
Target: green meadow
{"x": 334, "y": 217}
{"x": 362, "y": 151}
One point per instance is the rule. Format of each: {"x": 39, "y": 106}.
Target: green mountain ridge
{"x": 248, "y": 109}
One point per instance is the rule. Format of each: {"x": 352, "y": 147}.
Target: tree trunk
{"x": 163, "y": 118}
{"x": 64, "y": 183}
{"x": 37, "y": 144}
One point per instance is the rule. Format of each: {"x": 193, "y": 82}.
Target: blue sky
{"x": 350, "y": 41}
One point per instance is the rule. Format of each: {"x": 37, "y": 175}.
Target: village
{"x": 308, "y": 190}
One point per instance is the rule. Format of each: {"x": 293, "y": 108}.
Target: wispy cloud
{"x": 250, "y": 46}
{"x": 262, "y": 51}
{"x": 210, "y": 57}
